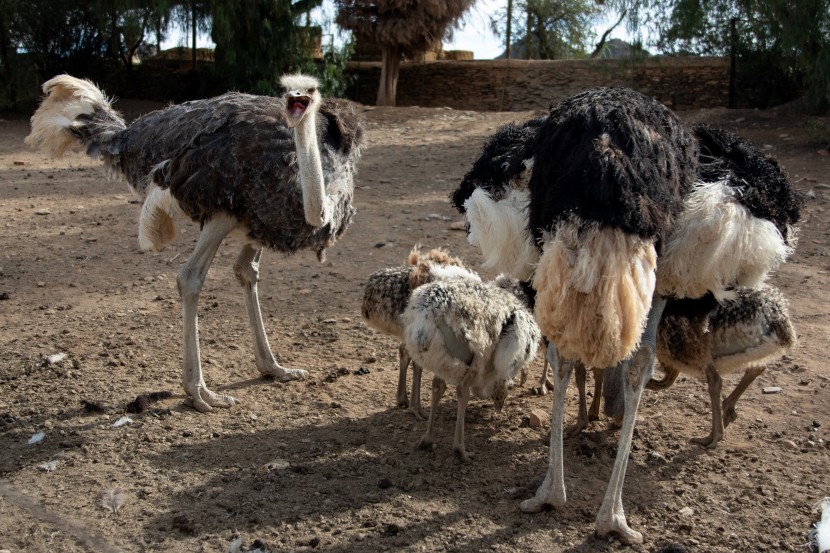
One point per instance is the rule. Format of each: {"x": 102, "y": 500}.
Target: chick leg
{"x": 403, "y": 364}
{"x": 729, "y": 414}
{"x": 715, "y": 385}
{"x": 463, "y": 396}
{"x": 438, "y": 389}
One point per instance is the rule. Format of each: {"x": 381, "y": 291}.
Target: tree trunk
{"x": 193, "y": 25}
{"x": 390, "y": 66}
{"x": 509, "y": 29}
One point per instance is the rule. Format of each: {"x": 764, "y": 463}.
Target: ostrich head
{"x": 302, "y": 96}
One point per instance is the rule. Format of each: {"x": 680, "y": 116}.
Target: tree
{"x": 401, "y": 28}
{"x": 550, "y": 29}
{"x": 779, "y": 43}
{"x": 257, "y": 40}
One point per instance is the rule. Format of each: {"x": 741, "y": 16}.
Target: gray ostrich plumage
{"x": 476, "y": 336}
{"x": 277, "y": 171}
{"x": 742, "y": 334}
{"x": 386, "y": 296}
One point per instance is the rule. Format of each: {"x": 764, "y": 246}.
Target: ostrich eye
{"x": 312, "y": 90}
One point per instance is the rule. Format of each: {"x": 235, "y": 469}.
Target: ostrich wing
{"x": 454, "y": 343}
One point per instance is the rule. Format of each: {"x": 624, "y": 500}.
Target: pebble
{"x": 537, "y": 418}
{"x": 790, "y": 444}
{"x": 772, "y": 390}
{"x": 278, "y": 464}
{"x": 686, "y": 511}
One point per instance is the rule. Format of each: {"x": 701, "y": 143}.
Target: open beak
{"x": 296, "y": 105}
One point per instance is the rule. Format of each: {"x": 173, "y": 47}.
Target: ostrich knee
{"x": 246, "y": 267}
{"x": 189, "y": 282}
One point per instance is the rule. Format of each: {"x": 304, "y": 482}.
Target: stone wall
{"x": 498, "y": 85}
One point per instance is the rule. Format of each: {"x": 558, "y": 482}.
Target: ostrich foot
{"x": 616, "y": 525}
{"x": 545, "y": 497}
{"x": 418, "y": 412}
{"x": 543, "y": 389}
{"x": 729, "y": 416}
{"x": 425, "y": 443}
{"x": 280, "y": 373}
{"x": 205, "y": 400}
{"x": 461, "y": 455}
{"x": 709, "y": 442}
{"x": 577, "y": 427}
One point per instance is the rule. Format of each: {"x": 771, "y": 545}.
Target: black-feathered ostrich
{"x": 277, "y": 171}
{"x": 386, "y": 296}
{"x": 613, "y": 187}
{"x": 625, "y": 223}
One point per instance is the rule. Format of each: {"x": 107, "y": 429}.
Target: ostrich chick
{"x": 276, "y": 171}
{"x": 476, "y": 336}
{"x": 385, "y": 297}
{"x": 741, "y": 334}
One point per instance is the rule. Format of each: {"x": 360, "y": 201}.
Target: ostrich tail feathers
{"x": 820, "y": 535}
{"x": 718, "y": 244}
{"x": 156, "y": 227}
{"x": 73, "y": 115}
{"x": 594, "y": 290}
{"x": 497, "y": 228}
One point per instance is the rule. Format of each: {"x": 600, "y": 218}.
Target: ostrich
{"x": 707, "y": 339}
{"x": 386, "y": 296}
{"x": 277, "y": 172}
{"x": 493, "y": 196}
{"x": 476, "y": 336}
{"x": 742, "y": 334}
{"x": 613, "y": 186}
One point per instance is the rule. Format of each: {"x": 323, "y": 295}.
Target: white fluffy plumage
{"x": 718, "y": 244}
{"x": 498, "y": 229}
{"x": 820, "y": 536}
{"x": 476, "y": 336}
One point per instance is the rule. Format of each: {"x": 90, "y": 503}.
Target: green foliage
{"x": 550, "y": 29}
{"x": 818, "y": 130}
{"x": 257, "y": 41}
{"x": 782, "y": 46}
{"x": 334, "y": 81}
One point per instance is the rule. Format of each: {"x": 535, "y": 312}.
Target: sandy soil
{"x": 329, "y": 463}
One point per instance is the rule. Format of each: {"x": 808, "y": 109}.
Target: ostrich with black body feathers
{"x": 621, "y": 221}
{"x": 278, "y": 172}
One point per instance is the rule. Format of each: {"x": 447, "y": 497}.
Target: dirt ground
{"x": 329, "y": 463}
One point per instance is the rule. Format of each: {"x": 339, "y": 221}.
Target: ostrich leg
{"x": 415, "y": 397}
{"x": 545, "y": 384}
{"x": 552, "y": 490}
{"x": 585, "y": 415}
{"x": 462, "y": 392}
{"x": 190, "y": 281}
{"x": 414, "y": 401}
{"x": 728, "y": 408}
{"x": 715, "y": 384}
{"x": 246, "y": 269}
{"x": 403, "y": 364}
{"x": 637, "y": 371}
{"x": 593, "y": 411}
{"x": 438, "y": 389}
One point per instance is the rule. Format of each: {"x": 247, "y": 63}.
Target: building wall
{"x": 499, "y": 85}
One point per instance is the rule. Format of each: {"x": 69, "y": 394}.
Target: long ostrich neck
{"x": 311, "y": 170}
